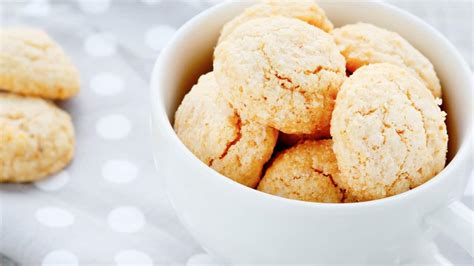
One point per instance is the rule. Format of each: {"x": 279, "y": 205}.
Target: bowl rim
{"x": 159, "y": 117}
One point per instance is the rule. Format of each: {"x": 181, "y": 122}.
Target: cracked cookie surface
{"x": 388, "y": 131}
{"x": 304, "y": 10}
{"x": 36, "y": 138}
{"x": 363, "y": 44}
{"x": 213, "y": 130}
{"x": 31, "y": 63}
{"x": 304, "y": 172}
{"x": 281, "y": 72}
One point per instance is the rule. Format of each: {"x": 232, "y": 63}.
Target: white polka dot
{"x": 133, "y": 258}
{"x": 54, "y": 182}
{"x": 157, "y": 37}
{"x": 113, "y": 127}
{"x": 54, "y": 217}
{"x": 94, "y": 6}
{"x": 126, "y": 219}
{"x": 151, "y": 2}
{"x": 202, "y": 260}
{"x": 60, "y": 258}
{"x": 37, "y": 8}
{"x": 119, "y": 171}
{"x": 100, "y": 44}
{"x": 107, "y": 84}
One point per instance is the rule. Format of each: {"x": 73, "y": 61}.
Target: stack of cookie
{"x": 36, "y": 137}
{"x": 352, "y": 113}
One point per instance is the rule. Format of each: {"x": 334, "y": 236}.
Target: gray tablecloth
{"x": 108, "y": 207}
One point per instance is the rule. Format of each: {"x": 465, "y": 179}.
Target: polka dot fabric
{"x": 108, "y": 207}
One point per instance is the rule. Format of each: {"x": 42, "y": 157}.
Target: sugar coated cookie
{"x": 305, "y": 10}
{"x": 36, "y": 138}
{"x": 281, "y": 72}
{"x": 363, "y": 44}
{"x": 304, "y": 172}
{"x": 31, "y": 63}
{"x": 388, "y": 131}
{"x": 212, "y": 129}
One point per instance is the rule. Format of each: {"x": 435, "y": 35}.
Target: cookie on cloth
{"x": 304, "y": 172}
{"x": 36, "y": 138}
{"x": 31, "y": 63}
{"x": 213, "y": 130}
{"x": 364, "y": 43}
{"x": 281, "y": 72}
{"x": 389, "y": 133}
{"x": 305, "y": 10}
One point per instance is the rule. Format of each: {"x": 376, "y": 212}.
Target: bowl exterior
{"x": 242, "y": 225}
{"x": 246, "y": 226}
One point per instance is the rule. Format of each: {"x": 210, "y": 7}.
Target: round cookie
{"x": 388, "y": 131}
{"x": 36, "y": 138}
{"x": 31, "y": 63}
{"x": 281, "y": 72}
{"x": 212, "y": 129}
{"x": 304, "y": 172}
{"x": 304, "y": 10}
{"x": 363, "y": 44}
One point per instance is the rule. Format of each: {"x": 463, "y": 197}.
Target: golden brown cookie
{"x": 305, "y": 10}
{"x": 388, "y": 131}
{"x": 363, "y": 44}
{"x": 281, "y": 72}
{"x": 36, "y": 138}
{"x": 31, "y": 63}
{"x": 212, "y": 129}
{"x": 304, "y": 172}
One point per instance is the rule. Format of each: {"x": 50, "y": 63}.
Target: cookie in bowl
{"x": 304, "y": 172}
{"x": 364, "y": 43}
{"x": 389, "y": 133}
{"x": 281, "y": 72}
{"x": 304, "y": 10}
{"x": 214, "y": 131}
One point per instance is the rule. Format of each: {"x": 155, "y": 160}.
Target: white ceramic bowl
{"x": 242, "y": 225}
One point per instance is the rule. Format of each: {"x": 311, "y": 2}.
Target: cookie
{"x": 304, "y": 172}
{"x": 389, "y": 133}
{"x": 281, "y": 72}
{"x": 363, "y": 44}
{"x": 36, "y": 138}
{"x": 305, "y": 10}
{"x": 31, "y": 63}
{"x": 212, "y": 129}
